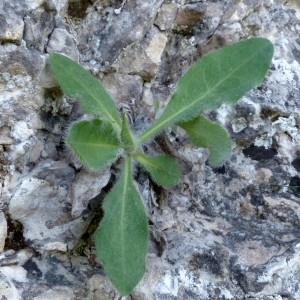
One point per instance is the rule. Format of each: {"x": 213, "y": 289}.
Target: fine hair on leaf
{"x": 221, "y": 76}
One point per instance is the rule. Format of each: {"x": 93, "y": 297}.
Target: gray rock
{"x": 85, "y": 187}
{"x": 8, "y": 289}
{"x": 3, "y": 230}
{"x": 45, "y": 211}
{"x": 127, "y": 28}
{"x": 11, "y": 28}
{"x": 147, "y": 56}
{"x": 166, "y": 16}
{"x": 226, "y": 233}
{"x": 126, "y": 89}
{"x": 59, "y": 293}
{"x": 39, "y": 25}
{"x": 63, "y": 42}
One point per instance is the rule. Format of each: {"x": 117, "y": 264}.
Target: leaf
{"x": 122, "y": 237}
{"x": 163, "y": 169}
{"x": 207, "y": 134}
{"x": 126, "y": 136}
{"x": 76, "y": 82}
{"x": 222, "y": 76}
{"x": 94, "y": 142}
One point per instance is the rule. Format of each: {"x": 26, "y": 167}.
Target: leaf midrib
{"x": 91, "y": 95}
{"x": 187, "y": 107}
{"x": 94, "y": 145}
{"x": 150, "y": 163}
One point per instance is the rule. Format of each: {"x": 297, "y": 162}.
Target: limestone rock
{"x": 126, "y": 89}
{"x": 61, "y": 41}
{"x": 166, "y": 16}
{"x": 11, "y": 28}
{"x": 8, "y": 289}
{"x": 85, "y": 187}
{"x": 224, "y": 233}
{"x": 39, "y": 24}
{"x": 46, "y": 211}
{"x": 128, "y": 27}
{"x": 3, "y": 230}
{"x": 190, "y": 15}
{"x": 59, "y": 293}
{"x": 147, "y": 56}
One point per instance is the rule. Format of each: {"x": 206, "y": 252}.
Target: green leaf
{"x": 126, "y": 136}
{"x": 222, "y": 76}
{"x": 163, "y": 169}
{"x": 94, "y": 142}
{"x": 76, "y": 82}
{"x": 122, "y": 237}
{"x": 207, "y": 134}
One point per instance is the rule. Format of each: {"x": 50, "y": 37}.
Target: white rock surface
{"x": 3, "y": 230}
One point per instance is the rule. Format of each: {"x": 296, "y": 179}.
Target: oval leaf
{"x": 76, "y": 82}
{"x": 207, "y": 134}
{"x": 222, "y": 76}
{"x": 163, "y": 169}
{"x": 122, "y": 237}
{"x": 94, "y": 142}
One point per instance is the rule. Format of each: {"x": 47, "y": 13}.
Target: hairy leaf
{"x": 222, "y": 76}
{"x": 122, "y": 237}
{"x": 163, "y": 169}
{"x": 207, "y": 134}
{"x": 76, "y": 82}
{"x": 126, "y": 136}
{"x": 94, "y": 142}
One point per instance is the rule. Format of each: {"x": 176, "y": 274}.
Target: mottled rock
{"x": 101, "y": 289}
{"x": 166, "y": 16}
{"x": 19, "y": 61}
{"x": 87, "y": 186}
{"x": 14, "y": 273}
{"x": 126, "y": 89}
{"x": 33, "y": 4}
{"x": 223, "y": 233}
{"x": 46, "y": 210}
{"x": 3, "y": 230}
{"x": 11, "y": 28}
{"x": 190, "y": 15}
{"x": 39, "y": 24}
{"x": 145, "y": 59}
{"x": 8, "y": 289}
{"x": 59, "y": 293}
{"x": 63, "y": 42}
{"x": 127, "y": 28}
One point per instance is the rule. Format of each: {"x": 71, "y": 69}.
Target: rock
{"x": 100, "y": 288}
{"x": 123, "y": 88}
{"x": 61, "y": 41}
{"x": 147, "y": 56}
{"x": 14, "y": 273}
{"x": 59, "y": 293}
{"x": 87, "y": 186}
{"x": 221, "y": 233}
{"x": 18, "y": 61}
{"x": 3, "y": 230}
{"x": 127, "y": 28}
{"x": 190, "y": 15}
{"x": 46, "y": 187}
{"x": 11, "y": 28}
{"x": 57, "y": 5}
{"x": 166, "y": 16}
{"x": 55, "y": 210}
{"x": 8, "y": 289}
{"x": 39, "y": 25}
